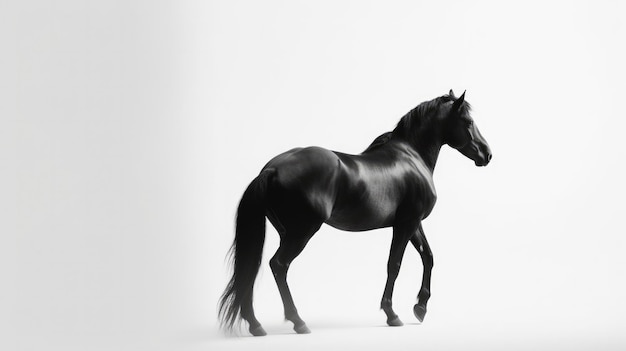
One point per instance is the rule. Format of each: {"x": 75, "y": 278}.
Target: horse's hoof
{"x": 302, "y": 329}
{"x": 258, "y": 331}
{"x": 395, "y": 322}
{"x": 420, "y": 312}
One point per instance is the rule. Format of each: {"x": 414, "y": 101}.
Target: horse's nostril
{"x": 489, "y": 157}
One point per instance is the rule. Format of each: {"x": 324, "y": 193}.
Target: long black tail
{"x": 246, "y": 251}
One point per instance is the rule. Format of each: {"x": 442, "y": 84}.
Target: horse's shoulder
{"x": 418, "y": 179}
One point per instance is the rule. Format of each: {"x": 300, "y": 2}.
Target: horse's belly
{"x": 361, "y": 218}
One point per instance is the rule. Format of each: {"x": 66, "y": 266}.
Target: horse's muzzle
{"x": 484, "y": 160}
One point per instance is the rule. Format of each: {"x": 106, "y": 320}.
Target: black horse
{"x": 389, "y": 185}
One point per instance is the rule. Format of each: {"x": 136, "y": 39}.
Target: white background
{"x": 129, "y": 130}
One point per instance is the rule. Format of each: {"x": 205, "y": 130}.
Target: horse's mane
{"x": 417, "y": 118}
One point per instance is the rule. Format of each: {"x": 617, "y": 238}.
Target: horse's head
{"x": 462, "y": 133}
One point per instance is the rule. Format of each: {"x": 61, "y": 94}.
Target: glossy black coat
{"x": 390, "y": 184}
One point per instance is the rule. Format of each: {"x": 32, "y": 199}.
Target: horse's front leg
{"x": 418, "y": 239}
{"x": 401, "y": 236}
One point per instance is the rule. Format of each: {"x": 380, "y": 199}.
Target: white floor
{"x": 427, "y": 336}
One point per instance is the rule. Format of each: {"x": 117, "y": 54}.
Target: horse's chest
{"x": 420, "y": 196}
{"x": 426, "y": 202}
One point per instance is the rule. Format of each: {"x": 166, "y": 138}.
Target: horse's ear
{"x": 458, "y": 102}
{"x": 451, "y": 93}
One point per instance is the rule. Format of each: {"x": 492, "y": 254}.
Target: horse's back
{"x": 308, "y": 174}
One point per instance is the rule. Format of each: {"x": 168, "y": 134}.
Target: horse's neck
{"x": 426, "y": 144}
{"x": 429, "y": 151}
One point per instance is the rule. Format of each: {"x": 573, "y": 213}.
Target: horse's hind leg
{"x": 292, "y": 242}
{"x": 247, "y": 313}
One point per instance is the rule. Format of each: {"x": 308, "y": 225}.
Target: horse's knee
{"x": 277, "y": 267}
{"x": 427, "y": 256}
{"x": 393, "y": 268}
{"x": 428, "y": 260}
